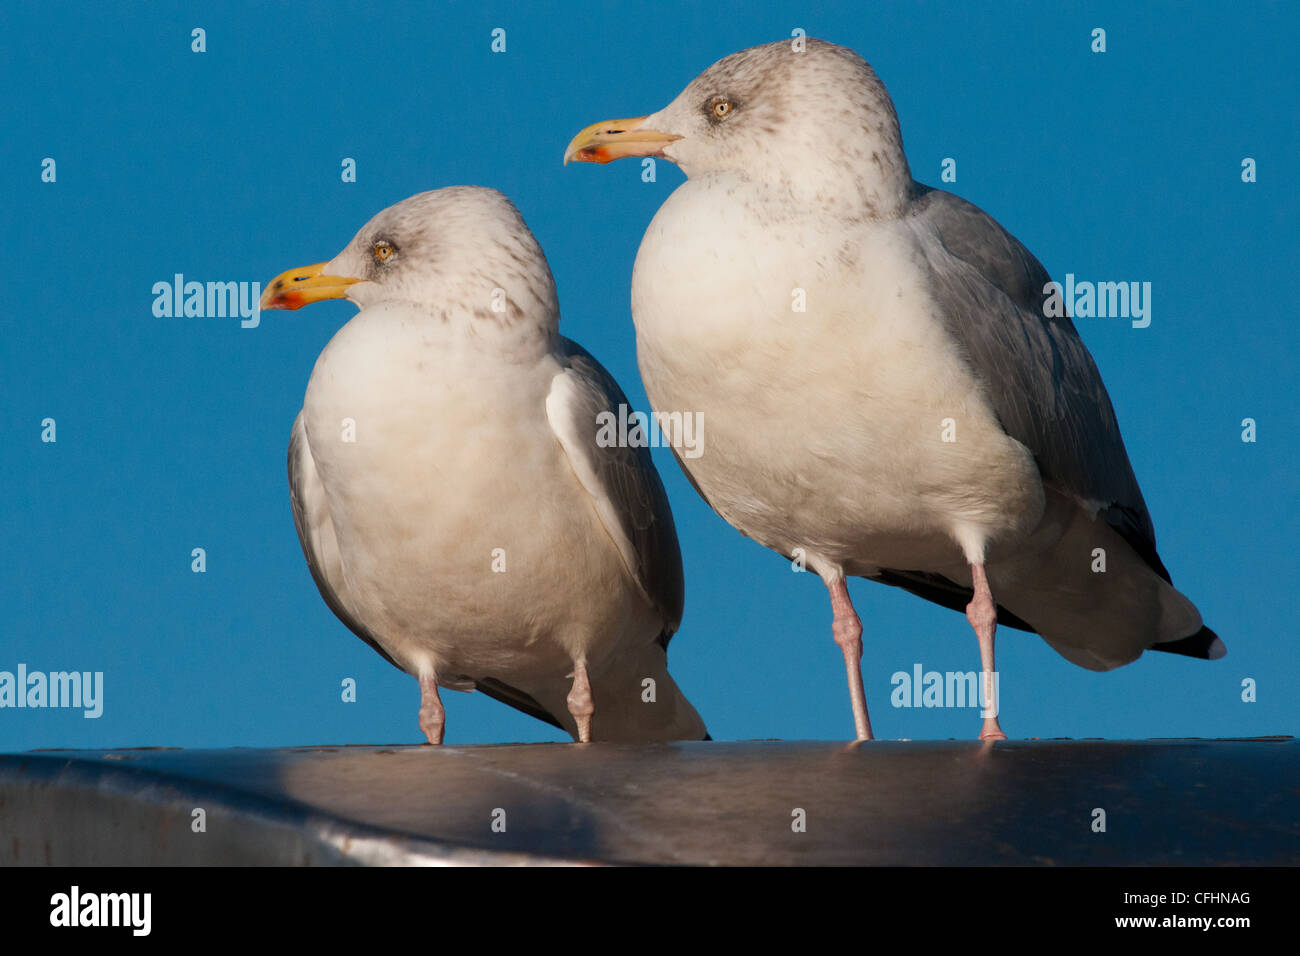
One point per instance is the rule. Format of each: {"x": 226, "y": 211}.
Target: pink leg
{"x": 847, "y": 629}
{"x": 432, "y": 717}
{"x": 983, "y": 616}
{"x": 580, "y": 702}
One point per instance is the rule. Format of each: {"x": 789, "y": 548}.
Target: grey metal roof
{"x": 883, "y": 802}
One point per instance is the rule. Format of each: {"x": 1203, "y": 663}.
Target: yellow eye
{"x": 722, "y": 109}
{"x": 383, "y": 251}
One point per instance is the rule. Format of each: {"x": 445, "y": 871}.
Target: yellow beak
{"x": 614, "y": 139}
{"x": 299, "y": 287}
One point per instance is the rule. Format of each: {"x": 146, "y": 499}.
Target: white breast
{"x": 823, "y": 429}
{"x": 453, "y": 470}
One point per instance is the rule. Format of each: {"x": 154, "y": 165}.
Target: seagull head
{"x": 460, "y": 250}
{"x": 802, "y": 114}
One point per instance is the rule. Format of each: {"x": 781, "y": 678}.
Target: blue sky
{"x": 225, "y": 165}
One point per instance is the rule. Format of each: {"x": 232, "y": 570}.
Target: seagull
{"x": 887, "y": 393}
{"x": 455, "y": 506}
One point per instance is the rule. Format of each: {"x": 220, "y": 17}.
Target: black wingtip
{"x": 1204, "y": 644}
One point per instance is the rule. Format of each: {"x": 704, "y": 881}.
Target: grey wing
{"x": 311, "y": 516}
{"x": 316, "y": 534}
{"x": 622, "y": 481}
{"x": 1041, "y": 380}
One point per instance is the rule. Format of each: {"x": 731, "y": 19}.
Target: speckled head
{"x": 459, "y": 250}
{"x": 808, "y": 116}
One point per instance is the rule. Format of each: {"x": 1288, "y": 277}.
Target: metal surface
{"x": 886, "y": 802}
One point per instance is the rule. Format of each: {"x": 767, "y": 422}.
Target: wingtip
{"x": 1204, "y": 644}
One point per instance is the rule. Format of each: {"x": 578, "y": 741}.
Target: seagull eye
{"x": 383, "y": 251}
{"x": 722, "y": 109}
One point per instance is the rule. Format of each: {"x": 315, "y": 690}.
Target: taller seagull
{"x": 455, "y": 506}
{"x": 888, "y": 391}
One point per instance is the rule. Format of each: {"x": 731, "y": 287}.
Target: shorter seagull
{"x": 455, "y": 507}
